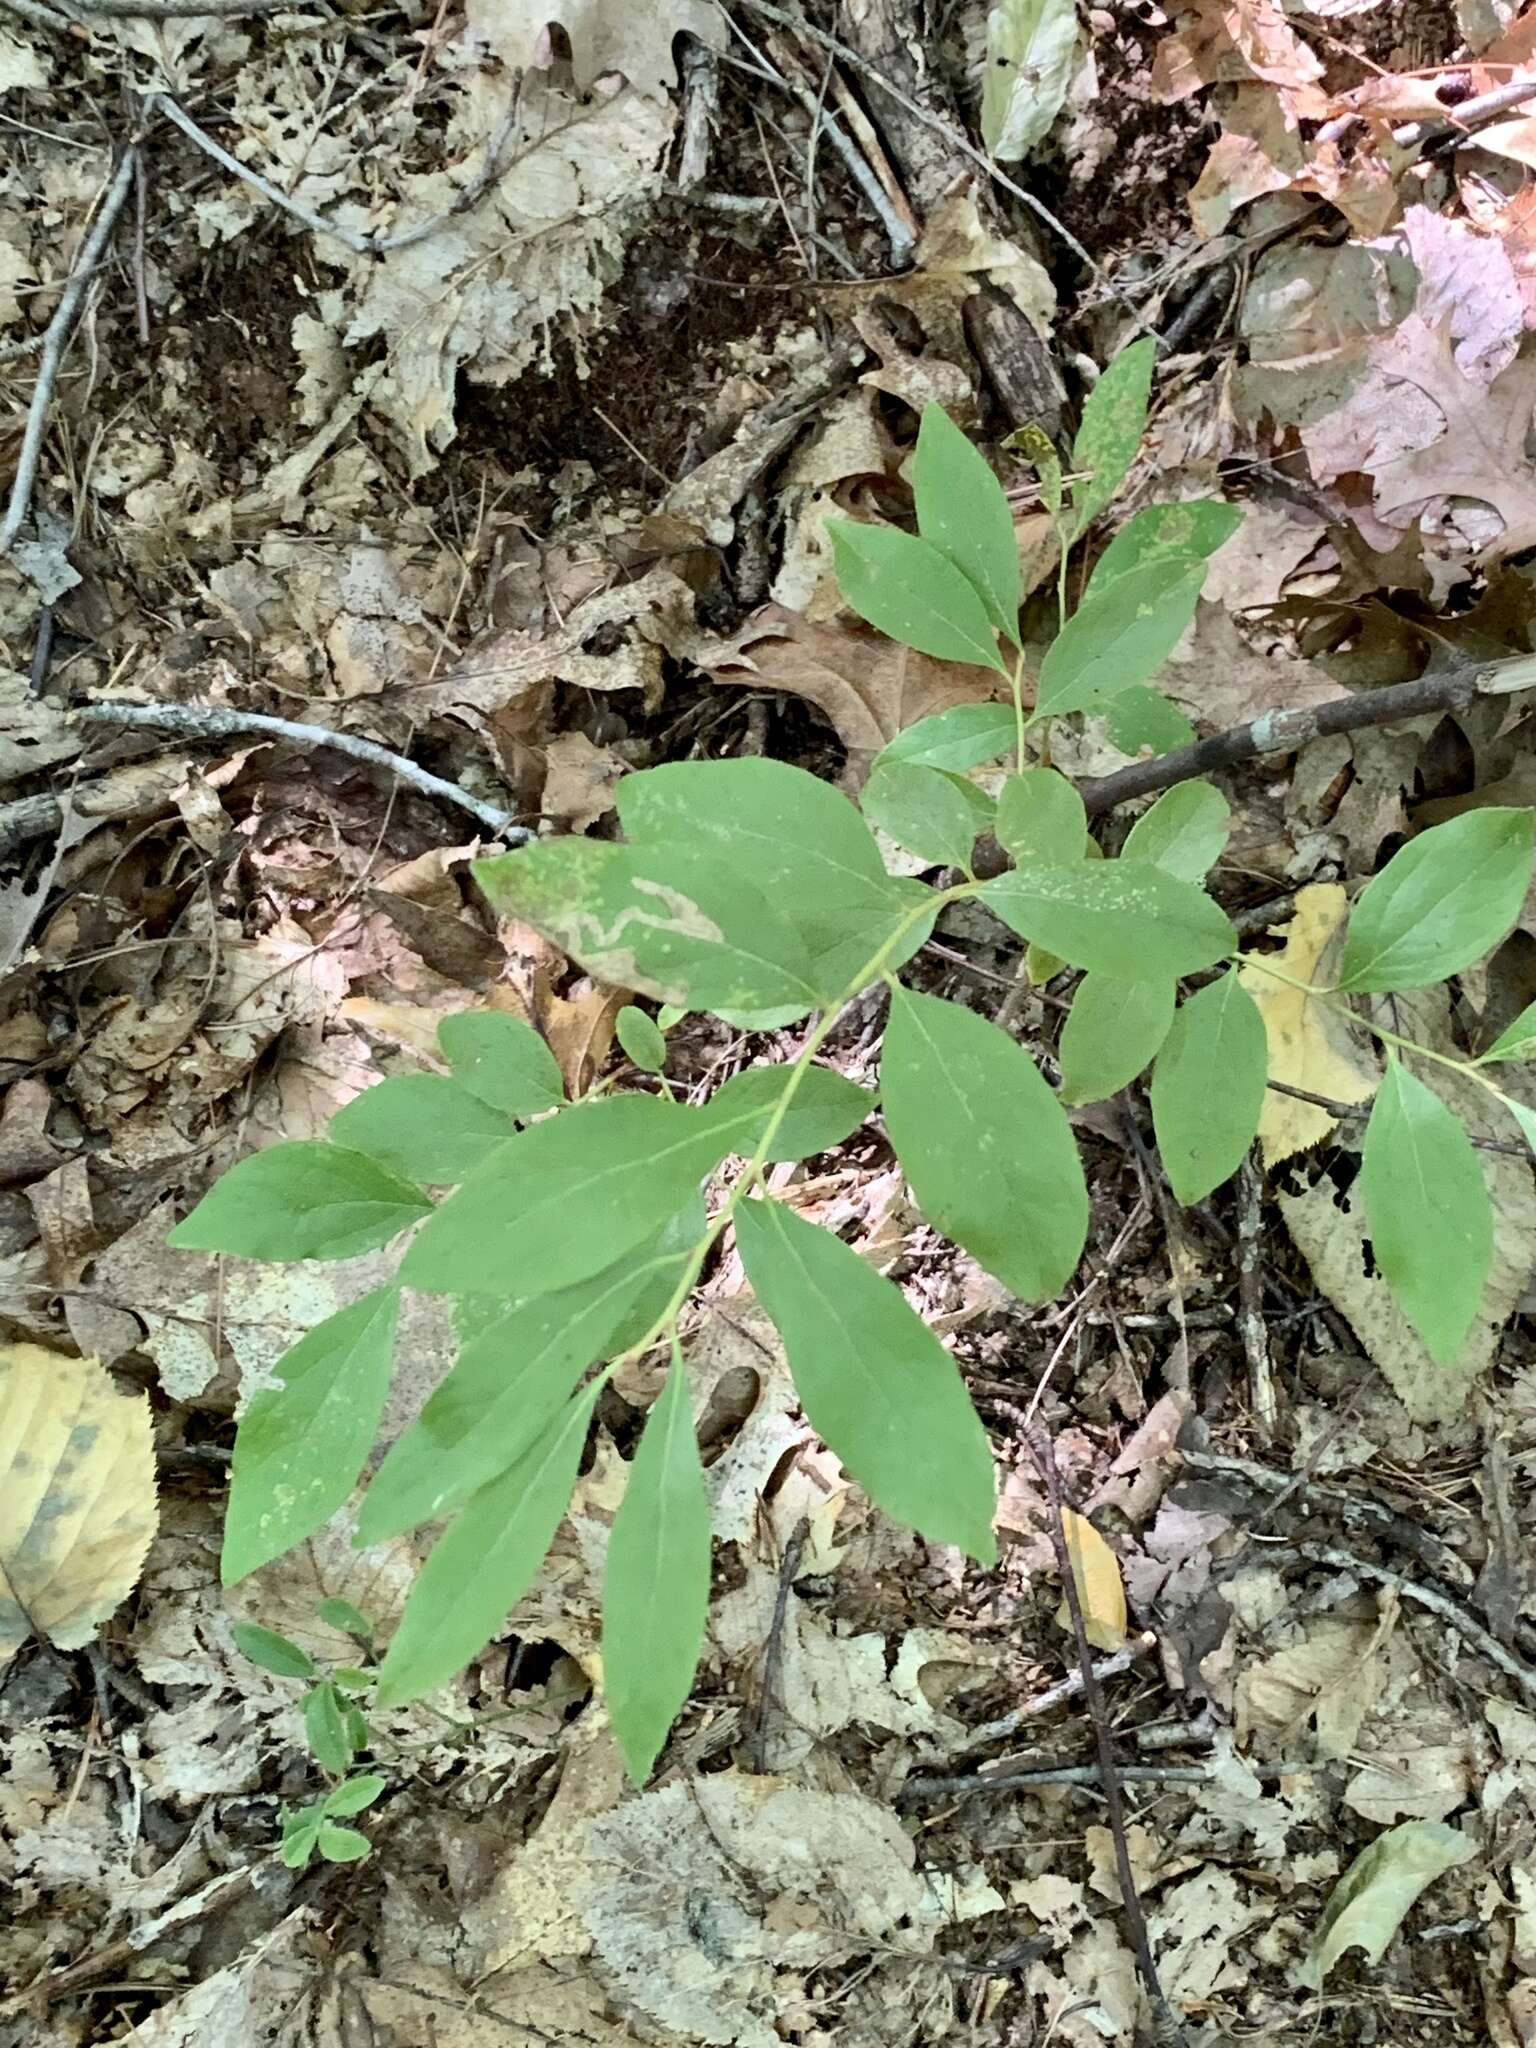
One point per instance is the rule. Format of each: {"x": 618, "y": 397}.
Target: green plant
{"x": 574, "y": 1234}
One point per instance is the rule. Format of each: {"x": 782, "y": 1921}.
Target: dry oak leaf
{"x": 1231, "y": 42}
{"x": 866, "y": 686}
{"x": 1310, "y": 1045}
{"x": 77, "y": 1496}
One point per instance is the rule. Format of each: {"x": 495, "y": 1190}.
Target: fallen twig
{"x": 1251, "y": 1325}
{"x": 1057, "y": 1695}
{"x": 773, "y": 1654}
{"x": 207, "y": 721}
{"x": 39, "y": 16}
{"x": 1282, "y": 732}
{"x": 1109, "y": 1773}
{"x": 920, "y": 1789}
{"x": 1357, "y": 1112}
{"x": 60, "y": 327}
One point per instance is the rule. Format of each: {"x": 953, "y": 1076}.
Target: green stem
{"x": 1019, "y": 720}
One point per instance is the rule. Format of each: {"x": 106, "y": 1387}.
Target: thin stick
{"x": 1093, "y": 1774}
{"x": 931, "y": 120}
{"x": 1251, "y": 1325}
{"x": 1357, "y": 1112}
{"x": 1282, "y": 732}
{"x": 773, "y": 1655}
{"x": 206, "y": 721}
{"x": 140, "y": 220}
{"x": 60, "y": 327}
{"x": 1109, "y": 1772}
{"x": 39, "y": 16}
{"x": 1057, "y": 1695}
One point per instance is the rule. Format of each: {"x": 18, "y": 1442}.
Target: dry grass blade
{"x": 77, "y": 1496}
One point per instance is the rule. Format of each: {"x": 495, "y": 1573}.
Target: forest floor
{"x": 537, "y": 498}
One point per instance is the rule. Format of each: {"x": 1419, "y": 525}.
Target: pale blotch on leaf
{"x": 77, "y": 1496}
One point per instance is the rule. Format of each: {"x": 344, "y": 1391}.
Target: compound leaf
{"x": 984, "y": 1143}
{"x": 656, "y": 1581}
{"x": 1429, "y": 1211}
{"x": 876, "y": 1383}
{"x": 307, "y": 1200}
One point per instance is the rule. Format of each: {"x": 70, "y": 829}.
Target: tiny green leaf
{"x": 1372, "y": 1898}
{"x": 664, "y": 920}
{"x": 1040, "y": 818}
{"x": 512, "y": 1380}
{"x": 301, "y": 1837}
{"x": 962, "y": 510}
{"x": 565, "y": 1198}
{"x": 423, "y": 1126}
{"x": 826, "y": 1108}
{"x": 1185, "y": 831}
{"x": 965, "y": 736}
{"x": 273, "y": 1652}
{"x": 913, "y": 594}
{"x": 1208, "y": 1087}
{"x": 1516, "y": 1041}
{"x": 1442, "y": 902}
{"x": 1524, "y": 1117}
{"x": 342, "y": 1845}
{"x": 922, "y": 810}
{"x": 983, "y": 1141}
{"x": 1174, "y": 535}
{"x": 802, "y": 842}
{"x": 1031, "y": 55}
{"x": 300, "y": 1446}
{"x": 1123, "y": 918}
{"x": 485, "y": 1562}
{"x": 325, "y": 1730}
{"x": 341, "y": 1614}
{"x": 1036, "y": 444}
{"x": 503, "y": 1061}
{"x": 1114, "y": 416}
{"x": 876, "y": 1383}
{"x": 307, "y": 1200}
{"x": 1112, "y": 1033}
{"x": 641, "y": 1039}
{"x": 352, "y": 1796}
{"x": 1141, "y": 719}
{"x": 1118, "y": 639}
{"x": 1428, "y": 1208}
{"x": 656, "y": 1581}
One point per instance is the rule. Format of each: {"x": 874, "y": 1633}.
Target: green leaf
{"x": 485, "y": 1562}
{"x": 664, "y": 920}
{"x": 1372, "y": 1898}
{"x": 1516, "y": 1041}
{"x": 503, "y": 1061}
{"x": 342, "y": 1615}
{"x": 1113, "y": 1031}
{"x": 1173, "y": 535}
{"x": 1208, "y": 1087}
{"x": 1040, "y": 818}
{"x": 802, "y": 842}
{"x": 352, "y": 1796}
{"x": 984, "y": 1143}
{"x": 875, "y": 1382}
{"x": 1036, "y": 444}
{"x": 423, "y": 1126}
{"x": 275, "y": 1653}
{"x": 1185, "y": 831}
{"x": 342, "y": 1845}
{"x": 656, "y": 1581}
{"x": 641, "y": 1039}
{"x": 565, "y": 1198}
{"x": 511, "y": 1381}
{"x": 965, "y": 736}
{"x": 1031, "y": 55}
{"x": 962, "y": 510}
{"x": 1525, "y": 1118}
{"x": 825, "y": 1109}
{"x": 1142, "y": 720}
{"x": 922, "y": 810}
{"x": 301, "y": 1837}
{"x": 1124, "y": 918}
{"x": 1428, "y": 1208}
{"x": 300, "y": 1447}
{"x": 1446, "y": 899}
{"x": 357, "y": 1726}
{"x": 1118, "y": 639}
{"x": 913, "y": 594}
{"x": 1114, "y": 415}
{"x": 307, "y": 1200}
{"x": 325, "y": 1731}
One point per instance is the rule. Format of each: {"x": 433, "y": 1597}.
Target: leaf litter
{"x": 540, "y": 497}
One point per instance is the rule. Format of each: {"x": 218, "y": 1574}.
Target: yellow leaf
{"x": 1100, "y": 1590}
{"x": 1309, "y": 1042}
{"x": 77, "y": 1496}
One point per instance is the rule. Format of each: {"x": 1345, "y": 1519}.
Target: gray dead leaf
{"x": 1375, "y": 1893}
